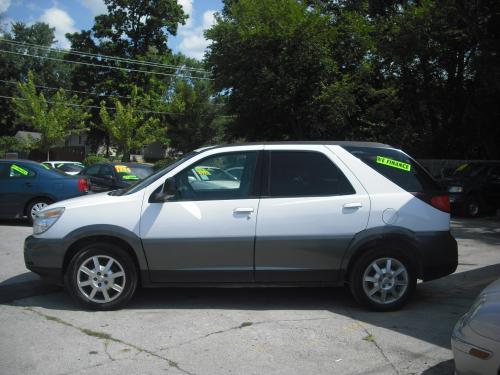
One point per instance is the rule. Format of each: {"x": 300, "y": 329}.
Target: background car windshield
{"x": 68, "y": 167}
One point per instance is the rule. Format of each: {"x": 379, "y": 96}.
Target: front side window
{"x": 19, "y": 171}
{"x": 208, "y": 179}
{"x": 305, "y": 174}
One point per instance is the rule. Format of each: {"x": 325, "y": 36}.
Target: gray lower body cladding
{"x": 274, "y": 260}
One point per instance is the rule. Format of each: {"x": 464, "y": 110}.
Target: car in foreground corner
{"x": 476, "y": 337}
{"x": 360, "y": 214}
{"x": 27, "y": 187}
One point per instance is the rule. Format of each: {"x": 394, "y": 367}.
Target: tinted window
{"x": 303, "y": 174}
{"x": 106, "y": 170}
{"x": 397, "y": 167}
{"x": 93, "y": 170}
{"x": 20, "y": 171}
{"x": 207, "y": 179}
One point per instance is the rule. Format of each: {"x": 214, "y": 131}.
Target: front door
{"x": 206, "y": 232}
{"x": 308, "y": 215}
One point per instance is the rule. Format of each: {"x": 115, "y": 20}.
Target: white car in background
{"x": 68, "y": 167}
{"x": 476, "y": 336}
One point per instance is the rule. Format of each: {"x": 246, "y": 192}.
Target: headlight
{"x": 455, "y": 189}
{"x": 45, "y": 219}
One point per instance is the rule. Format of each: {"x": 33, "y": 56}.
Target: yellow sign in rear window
{"x": 122, "y": 169}
{"x": 393, "y": 163}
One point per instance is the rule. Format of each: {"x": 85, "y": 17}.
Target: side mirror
{"x": 168, "y": 191}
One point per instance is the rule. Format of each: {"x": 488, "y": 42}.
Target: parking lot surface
{"x": 237, "y": 331}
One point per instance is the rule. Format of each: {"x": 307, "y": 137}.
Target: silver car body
{"x": 476, "y": 336}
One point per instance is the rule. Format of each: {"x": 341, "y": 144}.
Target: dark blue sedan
{"x": 27, "y": 187}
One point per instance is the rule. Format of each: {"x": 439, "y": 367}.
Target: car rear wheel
{"x": 101, "y": 276}
{"x": 383, "y": 279}
{"x": 472, "y": 207}
{"x": 35, "y": 206}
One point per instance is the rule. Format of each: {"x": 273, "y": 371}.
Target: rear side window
{"x": 18, "y": 171}
{"x": 93, "y": 170}
{"x": 397, "y": 167}
{"x": 305, "y": 174}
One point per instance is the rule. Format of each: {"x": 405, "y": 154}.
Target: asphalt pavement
{"x": 237, "y": 331}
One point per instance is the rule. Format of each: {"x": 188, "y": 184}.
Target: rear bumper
{"x": 44, "y": 257}
{"x": 438, "y": 254}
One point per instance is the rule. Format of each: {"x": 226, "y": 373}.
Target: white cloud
{"x": 62, "y": 22}
{"x": 4, "y": 5}
{"x": 193, "y": 42}
{"x": 187, "y": 7}
{"x": 95, "y": 6}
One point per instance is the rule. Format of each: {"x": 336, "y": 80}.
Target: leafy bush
{"x": 94, "y": 159}
{"x": 163, "y": 163}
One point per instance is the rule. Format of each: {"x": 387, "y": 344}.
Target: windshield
{"x": 68, "y": 167}
{"x": 133, "y": 172}
{"x": 152, "y": 178}
{"x": 469, "y": 170}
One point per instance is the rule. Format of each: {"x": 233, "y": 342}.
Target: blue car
{"x": 26, "y": 187}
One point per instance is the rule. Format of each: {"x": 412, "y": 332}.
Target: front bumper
{"x": 438, "y": 254}
{"x": 466, "y": 363}
{"x": 44, "y": 257}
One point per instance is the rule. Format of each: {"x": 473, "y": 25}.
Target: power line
{"x": 80, "y": 92}
{"x": 105, "y": 57}
{"x": 111, "y": 108}
{"x": 106, "y": 66}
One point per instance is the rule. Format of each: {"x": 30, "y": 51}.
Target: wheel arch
{"x": 127, "y": 240}
{"x": 401, "y": 238}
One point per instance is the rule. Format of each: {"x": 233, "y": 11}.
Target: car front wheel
{"x": 101, "y": 276}
{"x": 382, "y": 280}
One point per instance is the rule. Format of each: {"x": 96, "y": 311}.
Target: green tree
{"x": 54, "y": 118}
{"x": 130, "y": 128}
{"x": 15, "y": 63}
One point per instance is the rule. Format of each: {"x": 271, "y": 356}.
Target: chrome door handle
{"x": 243, "y": 210}
{"x": 353, "y": 205}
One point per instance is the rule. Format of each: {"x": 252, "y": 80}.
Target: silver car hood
{"x": 486, "y": 320}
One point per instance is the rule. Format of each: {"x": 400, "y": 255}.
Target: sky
{"x": 74, "y": 15}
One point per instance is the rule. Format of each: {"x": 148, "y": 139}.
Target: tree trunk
{"x": 48, "y": 155}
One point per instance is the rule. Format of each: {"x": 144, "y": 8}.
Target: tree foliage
{"x": 130, "y": 128}
{"x": 420, "y": 75}
{"x": 54, "y": 118}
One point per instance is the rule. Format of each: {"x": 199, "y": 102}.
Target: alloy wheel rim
{"x": 37, "y": 207}
{"x": 101, "y": 279}
{"x": 385, "y": 280}
{"x": 473, "y": 208}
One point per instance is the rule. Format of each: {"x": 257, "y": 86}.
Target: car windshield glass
{"x": 469, "y": 170}
{"x": 68, "y": 167}
{"x": 152, "y": 178}
{"x": 133, "y": 172}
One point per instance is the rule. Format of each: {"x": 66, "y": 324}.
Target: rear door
{"x": 311, "y": 208}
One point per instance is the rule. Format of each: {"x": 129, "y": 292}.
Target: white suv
{"x": 299, "y": 213}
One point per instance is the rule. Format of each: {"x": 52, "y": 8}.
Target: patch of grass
{"x": 245, "y": 324}
{"x": 369, "y": 338}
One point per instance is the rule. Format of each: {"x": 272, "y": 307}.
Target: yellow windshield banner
{"x": 202, "y": 171}
{"x": 17, "y": 168}
{"x": 393, "y": 163}
{"x": 122, "y": 169}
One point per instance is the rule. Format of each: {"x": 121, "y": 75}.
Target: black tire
{"x": 472, "y": 206}
{"x": 123, "y": 263}
{"x": 34, "y": 203}
{"x": 361, "y": 265}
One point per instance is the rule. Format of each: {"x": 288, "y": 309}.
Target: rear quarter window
{"x": 397, "y": 166}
